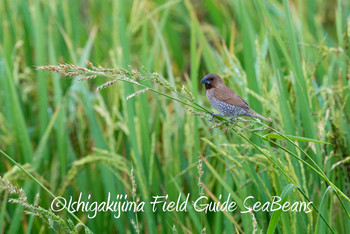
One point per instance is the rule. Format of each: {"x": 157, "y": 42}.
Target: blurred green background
{"x": 288, "y": 59}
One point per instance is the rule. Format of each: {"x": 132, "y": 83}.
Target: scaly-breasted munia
{"x": 225, "y": 100}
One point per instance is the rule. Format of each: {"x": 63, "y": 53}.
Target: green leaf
{"x": 295, "y": 138}
{"x": 276, "y": 215}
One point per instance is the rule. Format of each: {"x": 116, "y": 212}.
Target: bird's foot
{"x": 213, "y": 114}
{"x": 233, "y": 119}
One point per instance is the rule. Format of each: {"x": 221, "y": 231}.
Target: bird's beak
{"x": 205, "y": 80}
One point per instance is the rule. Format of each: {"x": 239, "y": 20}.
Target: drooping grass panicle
{"x": 137, "y": 93}
{"x": 135, "y": 224}
{"x": 105, "y": 85}
{"x": 200, "y": 176}
{"x": 133, "y": 182}
{"x": 120, "y": 74}
{"x": 115, "y": 162}
{"x": 54, "y": 221}
{"x": 187, "y": 92}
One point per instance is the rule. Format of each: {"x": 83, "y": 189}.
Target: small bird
{"x": 225, "y": 100}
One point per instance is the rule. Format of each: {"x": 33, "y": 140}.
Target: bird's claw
{"x": 212, "y": 115}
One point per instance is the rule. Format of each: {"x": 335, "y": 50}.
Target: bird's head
{"x": 211, "y": 81}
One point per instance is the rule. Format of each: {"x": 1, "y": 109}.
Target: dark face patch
{"x": 208, "y": 86}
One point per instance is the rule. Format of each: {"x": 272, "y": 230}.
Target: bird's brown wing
{"x": 227, "y": 95}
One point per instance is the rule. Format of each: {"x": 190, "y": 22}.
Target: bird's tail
{"x": 259, "y": 116}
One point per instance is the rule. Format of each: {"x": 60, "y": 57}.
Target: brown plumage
{"x": 225, "y": 100}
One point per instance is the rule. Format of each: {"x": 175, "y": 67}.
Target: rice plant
{"x": 101, "y": 103}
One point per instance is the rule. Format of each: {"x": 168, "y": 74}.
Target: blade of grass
{"x": 276, "y": 214}
{"x": 295, "y": 138}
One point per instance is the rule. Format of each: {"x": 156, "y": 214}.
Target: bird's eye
{"x": 211, "y": 79}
